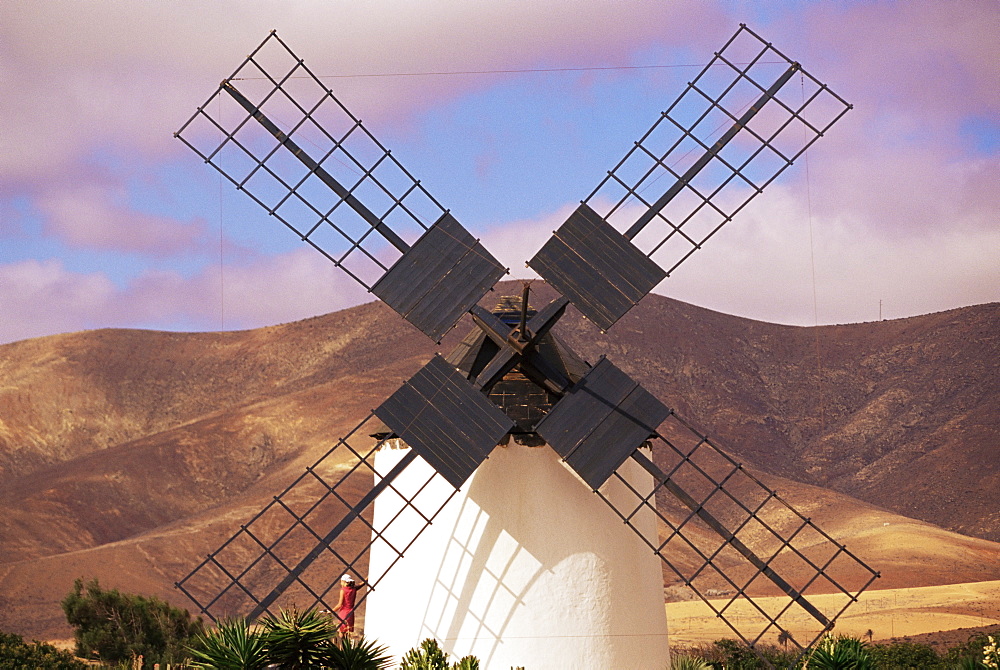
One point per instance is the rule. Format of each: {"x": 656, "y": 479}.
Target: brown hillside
{"x": 901, "y": 414}
{"x": 128, "y": 454}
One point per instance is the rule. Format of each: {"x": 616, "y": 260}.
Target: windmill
{"x": 290, "y": 145}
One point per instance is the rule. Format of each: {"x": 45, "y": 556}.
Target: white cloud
{"x": 513, "y": 244}
{"x": 768, "y": 263}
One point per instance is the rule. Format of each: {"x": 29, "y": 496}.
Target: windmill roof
{"x": 518, "y": 395}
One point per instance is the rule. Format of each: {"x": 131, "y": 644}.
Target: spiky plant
{"x": 360, "y": 654}
{"x": 295, "y": 639}
{"x": 682, "y": 662}
{"x": 233, "y": 645}
{"x": 836, "y": 652}
{"x": 466, "y": 663}
{"x": 428, "y": 656}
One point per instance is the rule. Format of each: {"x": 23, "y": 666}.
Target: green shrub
{"x": 466, "y": 663}
{"x": 733, "y": 655}
{"x": 906, "y": 655}
{"x": 430, "y": 656}
{"x": 684, "y": 662}
{"x": 970, "y": 654}
{"x": 16, "y": 654}
{"x": 287, "y": 640}
{"x": 119, "y": 626}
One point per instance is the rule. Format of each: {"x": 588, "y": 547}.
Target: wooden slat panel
{"x": 583, "y": 409}
{"x": 442, "y": 275}
{"x": 456, "y": 292}
{"x": 419, "y": 269}
{"x": 620, "y": 433}
{"x": 579, "y": 281}
{"x": 615, "y": 257}
{"x": 601, "y": 421}
{"x": 596, "y": 267}
{"x": 439, "y": 414}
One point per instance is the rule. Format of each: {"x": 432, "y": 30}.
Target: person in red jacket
{"x": 345, "y": 604}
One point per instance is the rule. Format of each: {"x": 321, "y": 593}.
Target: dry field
{"x": 887, "y": 613}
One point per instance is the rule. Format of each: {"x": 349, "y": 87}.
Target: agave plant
{"x": 295, "y": 639}
{"x": 428, "y": 656}
{"x": 231, "y": 646}
{"x": 682, "y": 662}
{"x": 836, "y": 652}
{"x": 466, "y": 663}
{"x": 361, "y": 654}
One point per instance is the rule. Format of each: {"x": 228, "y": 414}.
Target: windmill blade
{"x": 601, "y": 421}
{"x": 761, "y": 566}
{"x": 294, "y": 550}
{"x": 445, "y": 419}
{"x": 279, "y": 134}
{"x": 736, "y": 127}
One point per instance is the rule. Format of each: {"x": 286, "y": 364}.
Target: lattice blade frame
{"x": 747, "y": 116}
{"x": 789, "y": 123}
{"x": 828, "y": 576}
{"x": 256, "y": 571}
{"x": 277, "y": 133}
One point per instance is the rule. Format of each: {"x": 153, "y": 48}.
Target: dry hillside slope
{"x": 128, "y": 454}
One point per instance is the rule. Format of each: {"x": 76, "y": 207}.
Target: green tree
{"x": 118, "y": 626}
{"x": 16, "y": 654}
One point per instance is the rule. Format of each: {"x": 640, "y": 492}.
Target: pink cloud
{"x": 937, "y": 60}
{"x": 888, "y": 186}
{"x": 127, "y": 75}
{"x": 39, "y": 298}
{"x": 894, "y": 190}
{"x": 87, "y": 216}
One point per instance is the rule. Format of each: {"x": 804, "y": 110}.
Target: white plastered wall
{"x": 524, "y": 567}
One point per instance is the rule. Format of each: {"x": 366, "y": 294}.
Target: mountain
{"x": 127, "y": 455}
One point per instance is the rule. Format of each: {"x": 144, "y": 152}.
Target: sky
{"x": 509, "y": 113}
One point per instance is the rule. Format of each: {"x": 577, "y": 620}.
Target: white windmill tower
{"x": 525, "y": 566}
{"x": 557, "y": 546}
